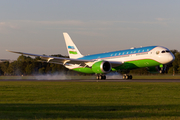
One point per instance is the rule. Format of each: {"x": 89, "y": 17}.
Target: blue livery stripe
{"x": 119, "y": 53}
{"x": 71, "y": 47}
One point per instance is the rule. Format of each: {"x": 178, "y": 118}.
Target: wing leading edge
{"x": 57, "y": 60}
{"x": 63, "y": 61}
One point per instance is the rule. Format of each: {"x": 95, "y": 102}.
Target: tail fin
{"x": 71, "y": 47}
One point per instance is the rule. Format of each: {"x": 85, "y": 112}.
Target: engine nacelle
{"x": 101, "y": 67}
{"x": 157, "y": 69}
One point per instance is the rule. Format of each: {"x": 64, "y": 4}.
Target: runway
{"x": 93, "y": 80}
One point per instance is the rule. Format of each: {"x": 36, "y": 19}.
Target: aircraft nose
{"x": 167, "y": 58}
{"x": 171, "y": 58}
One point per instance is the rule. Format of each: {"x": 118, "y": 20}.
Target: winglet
{"x": 71, "y": 47}
{"x": 14, "y": 52}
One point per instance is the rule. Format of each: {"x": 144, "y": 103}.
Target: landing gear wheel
{"x": 101, "y": 77}
{"x": 130, "y": 76}
{"x": 126, "y": 77}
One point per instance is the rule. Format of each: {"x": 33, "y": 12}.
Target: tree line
{"x": 25, "y": 65}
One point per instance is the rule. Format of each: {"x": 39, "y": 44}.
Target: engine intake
{"x": 101, "y": 67}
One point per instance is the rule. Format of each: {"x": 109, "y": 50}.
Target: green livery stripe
{"x": 72, "y": 52}
{"x": 137, "y": 64}
{"x": 84, "y": 70}
{"x": 125, "y": 66}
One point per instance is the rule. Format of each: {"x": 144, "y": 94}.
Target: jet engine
{"x": 157, "y": 69}
{"x": 101, "y": 67}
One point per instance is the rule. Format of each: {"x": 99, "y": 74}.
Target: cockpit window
{"x": 165, "y": 51}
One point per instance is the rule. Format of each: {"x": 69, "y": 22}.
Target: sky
{"x": 95, "y": 26}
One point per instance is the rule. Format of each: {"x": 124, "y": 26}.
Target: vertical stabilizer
{"x": 71, "y": 47}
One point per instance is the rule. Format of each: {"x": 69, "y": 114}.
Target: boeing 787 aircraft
{"x": 154, "y": 58}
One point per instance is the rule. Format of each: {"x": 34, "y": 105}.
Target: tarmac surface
{"x": 93, "y": 80}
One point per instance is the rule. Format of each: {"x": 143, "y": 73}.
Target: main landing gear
{"x": 101, "y": 77}
{"x": 126, "y": 77}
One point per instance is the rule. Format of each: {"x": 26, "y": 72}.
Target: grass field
{"x": 89, "y": 100}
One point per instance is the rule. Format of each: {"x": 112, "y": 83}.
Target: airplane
{"x": 154, "y": 58}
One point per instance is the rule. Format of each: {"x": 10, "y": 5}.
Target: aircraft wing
{"x": 62, "y": 60}
{"x": 56, "y": 60}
